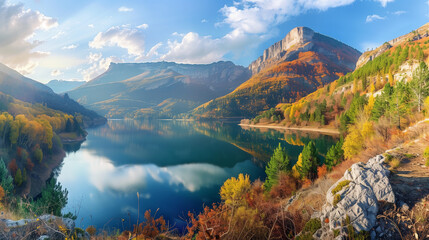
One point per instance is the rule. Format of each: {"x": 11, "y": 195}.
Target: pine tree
{"x": 279, "y": 162}
{"x": 310, "y": 162}
{"x": 420, "y": 85}
{"x": 6, "y": 181}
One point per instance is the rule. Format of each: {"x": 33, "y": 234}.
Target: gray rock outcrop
{"x": 356, "y": 197}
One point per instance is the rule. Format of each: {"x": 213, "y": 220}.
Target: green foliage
{"x": 18, "y": 178}
{"x": 309, "y": 229}
{"x": 279, "y": 162}
{"x": 310, "y": 162}
{"x": 53, "y": 199}
{"x": 312, "y": 225}
{"x": 6, "y": 180}
{"x": 420, "y": 85}
{"x": 335, "y": 155}
{"x": 426, "y": 156}
{"x": 340, "y": 186}
{"x": 38, "y": 154}
{"x": 272, "y": 114}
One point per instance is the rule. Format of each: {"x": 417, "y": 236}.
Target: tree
{"x": 391, "y": 79}
{"x": 6, "y": 181}
{"x": 69, "y": 126}
{"x": 400, "y": 102}
{"x": 420, "y": 85}
{"x": 334, "y": 155}
{"x": 310, "y": 161}
{"x": 233, "y": 190}
{"x": 18, "y": 178}
{"x": 54, "y": 199}
{"x": 279, "y": 162}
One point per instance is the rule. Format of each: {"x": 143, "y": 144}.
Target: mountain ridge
{"x": 288, "y": 70}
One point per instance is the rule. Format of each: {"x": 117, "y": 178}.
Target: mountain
{"x": 158, "y": 89}
{"x": 29, "y": 90}
{"x": 288, "y": 70}
{"x": 60, "y": 86}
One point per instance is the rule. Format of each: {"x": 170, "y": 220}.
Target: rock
{"x": 368, "y": 185}
{"x": 404, "y": 207}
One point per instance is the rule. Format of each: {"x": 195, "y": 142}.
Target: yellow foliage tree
{"x": 370, "y": 105}
{"x": 295, "y": 172}
{"x": 391, "y": 79}
{"x": 358, "y": 133}
{"x": 426, "y": 106}
{"x": 233, "y": 190}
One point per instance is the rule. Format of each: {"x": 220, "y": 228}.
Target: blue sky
{"x": 77, "y": 40}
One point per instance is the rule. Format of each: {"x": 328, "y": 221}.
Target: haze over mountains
{"x": 288, "y": 70}
{"x": 29, "y": 90}
{"x": 60, "y": 86}
{"x": 161, "y": 89}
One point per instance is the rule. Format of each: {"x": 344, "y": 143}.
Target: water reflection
{"x": 176, "y": 166}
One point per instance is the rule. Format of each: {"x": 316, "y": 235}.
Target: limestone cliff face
{"x": 296, "y": 37}
{"x": 302, "y": 39}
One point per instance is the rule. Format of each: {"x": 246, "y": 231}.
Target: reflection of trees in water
{"x": 71, "y": 147}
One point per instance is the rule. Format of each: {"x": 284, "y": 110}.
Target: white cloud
{"x": 72, "y": 46}
{"x": 125, "y": 9}
{"x": 59, "y": 34}
{"x": 256, "y": 16}
{"x": 121, "y": 36}
{"x": 154, "y": 50}
{"x": 98, "y": 65}
{"x": 384, "y": 2}
{"x": 193, "y": 48}
{"x": 399, "y": 12}
{"x": 56, "y": 73}
{"x": 91, "y": 25}
{"x": 17, "y": 26}
{"x": 373, "y": 17}
{"x": 204, "y": 20}
{"x": 143, "y": 26}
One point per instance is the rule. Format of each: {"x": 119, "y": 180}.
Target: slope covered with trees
{"x": 310, "y": 60}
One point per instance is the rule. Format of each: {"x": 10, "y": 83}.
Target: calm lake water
{"x": 175, "y": 166}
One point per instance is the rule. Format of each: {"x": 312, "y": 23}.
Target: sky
{"x": 77, "y": 40}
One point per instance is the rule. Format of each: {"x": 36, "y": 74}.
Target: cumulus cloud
{"x": 121, "y": 36}
{"x": 154, "y": 50}
{"x": 256, "y": 16}
{"x": 97, "y": 65}
{"x": 143, "y": 26}
{"x": 125, "y": 9}
{"x": 373, "y": 17}
{"x": 384, "y": 2}
{"x": 91, "y": 25}
{"x": 56, "y": 73}
{"x": 17, "y": 26}
{"x": 72, "y": 46}
{"x": 250, "y": 21}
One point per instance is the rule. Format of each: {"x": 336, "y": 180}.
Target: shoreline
{"x": 308, "y": 129}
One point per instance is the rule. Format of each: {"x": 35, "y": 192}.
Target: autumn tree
{"x": 18, "y": 178}
{"x": 233, "y": 190}
{"x": 279, "y": 162}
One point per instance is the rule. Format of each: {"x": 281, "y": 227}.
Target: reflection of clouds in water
{"x": 195, "y": 176}
{"x": 105, "y": 176}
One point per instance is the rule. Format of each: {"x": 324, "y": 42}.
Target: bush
{"x": 91, "y": 230}
{"x": 426, "y": 156}
{"x": 395, "y": 163}
{"x": 340, "y": 186}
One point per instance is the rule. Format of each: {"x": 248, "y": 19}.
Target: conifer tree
{"x": 279, "y": 162}
{"x": 310, "y": 162}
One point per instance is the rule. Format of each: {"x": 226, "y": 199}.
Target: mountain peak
{"x": 303, "y": 39}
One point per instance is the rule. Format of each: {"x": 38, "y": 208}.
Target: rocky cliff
{"x": 417, "y": 34}
{"x": 355, "y": 199}
{"x": 301, "y": 39}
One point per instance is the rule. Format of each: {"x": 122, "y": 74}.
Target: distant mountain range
{"x": 29, "y": 90}
{"x": 161, "y": 89}
{"x": 61, "y": 86}
{"x": 288, "y": 70}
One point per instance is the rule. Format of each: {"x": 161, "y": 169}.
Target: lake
{"x": 175, "y": 166}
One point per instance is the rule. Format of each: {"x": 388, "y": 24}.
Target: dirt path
{"x": 309, "y": 129}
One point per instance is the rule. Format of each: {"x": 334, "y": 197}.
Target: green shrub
{"x": 388, "y": 157}
{"x": 426, "y": 156}
{"x": 312, "y": 225}
{"x": 340, "y": 186}
{"x": 394, "y": 163}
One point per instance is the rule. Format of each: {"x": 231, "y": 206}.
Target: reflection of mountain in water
{"x": 151, "y": 141}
